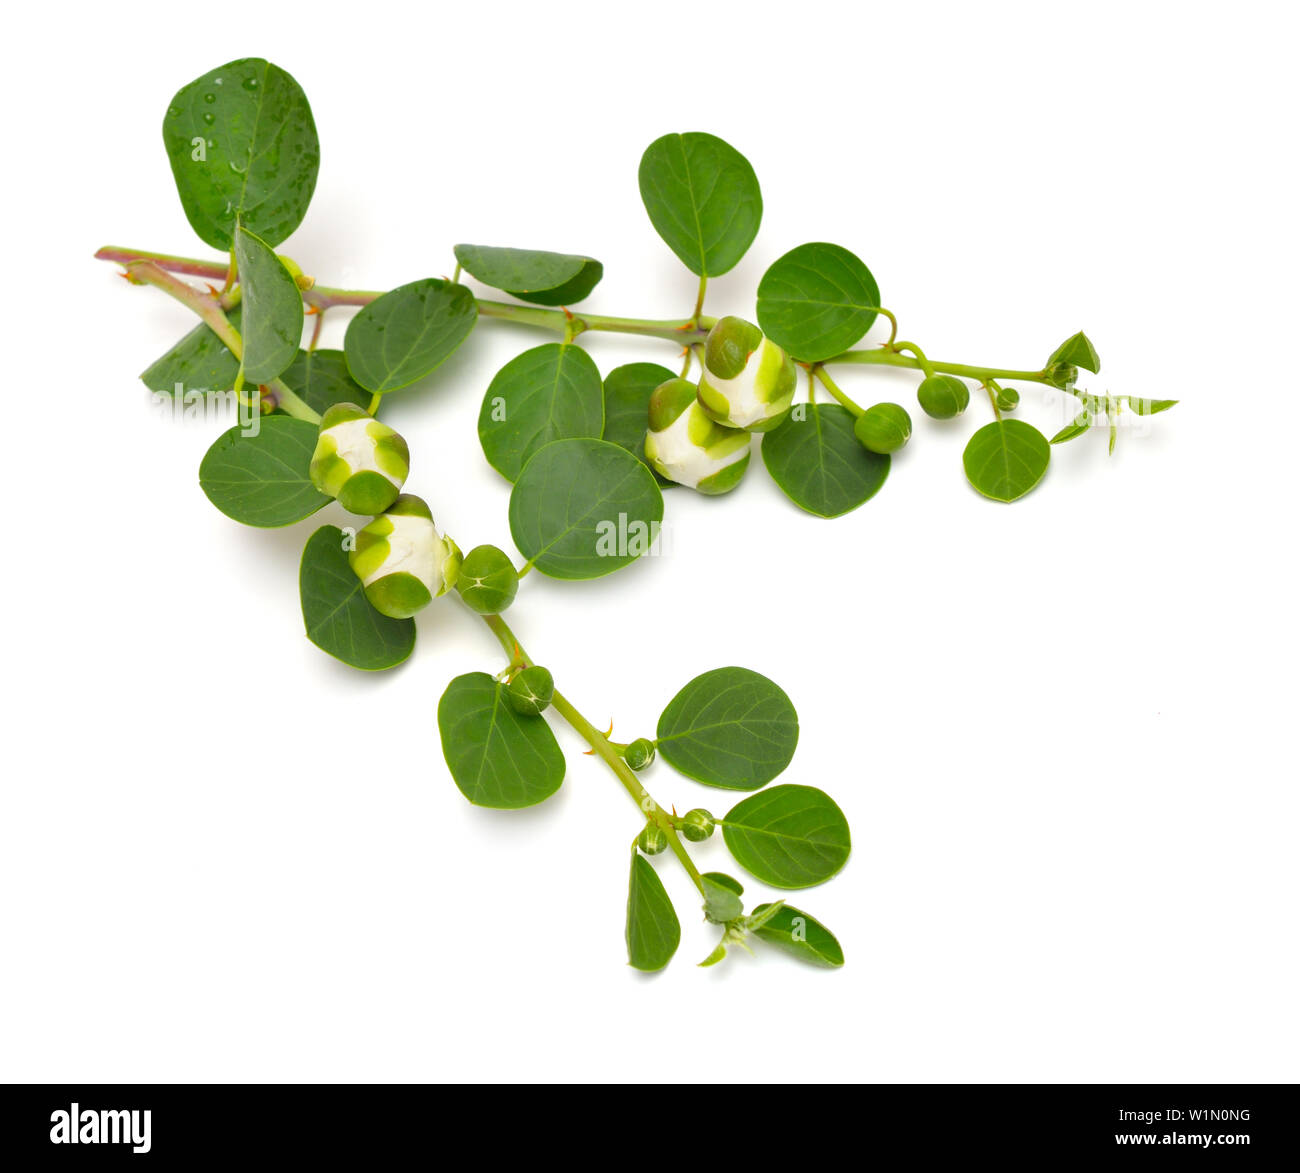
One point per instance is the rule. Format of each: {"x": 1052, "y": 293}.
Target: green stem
{"x": 699, "y": 301}
{"x": 888, "y": 358}
{"x": 605, "y": 751}
{"x": 829, "y": 383}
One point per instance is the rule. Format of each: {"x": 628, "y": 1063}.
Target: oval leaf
{"x": 544, "y": 278}
{"x": 819, "y": 463}
{"x": 817, "y": 301}
{"x": 800, "y": 934}
{"x": 243, "y": 148}
{"x": 584, "y": 508}
{"x": 1005, "y": 459}
{"x": 272, "y": 309}
{"x": 789, "y": 836}
{"x": 1079, "y": 351}
{"x": 404, "y": 334}
{"x": 653, "y": 931}
{"x": 551, "y": 392}
{"x": 199, "y": 362}
{"x": 731, "y": 728}
{"x": 721, "y": 897}
{"x": 321, "y": 379}
{"x": 338, "y": 617}
{"x": 262, "y": 478}
{"x": 703, "y": 199}
{"x": 498, "y": 757}
{"x": 627, "y": 407}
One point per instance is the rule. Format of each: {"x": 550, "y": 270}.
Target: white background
{"x": 1063, "y": 732}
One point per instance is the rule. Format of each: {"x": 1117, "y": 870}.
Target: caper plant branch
{"x": 604, "y": 749}
{"x": 683, "y": 332}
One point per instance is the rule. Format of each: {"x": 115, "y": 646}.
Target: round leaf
{"x": 703, "y": 199}
{"x": 404, "y": 334}
{"x": 544, "y": 278}
{"x": 818, "y": 462}
{"x": 498, "y": 757}
{"x": 627, "y": 406}
{"x": 552, "y": 392}
{"x": 801, "y": 935}
{"x": 817, "y": 301}
{"x": 243, "y": 149}
{"x": 653, "y": 931}
{"x": 731, "y": 728}
{"x": 1005, "y": 459}
{"x": 584, "y": 508}
{"x": 338, "y": 617}
{"x": 789, "y": 836}
{"x": 271, "y": 324}
{"x": 262, "y": 479}
{"x": 321, "y": 379}
{"x": 199, "y": 362}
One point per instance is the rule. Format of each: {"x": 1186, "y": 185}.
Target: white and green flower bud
{"x": 639, "y": 753}
{"x": 652, "y": 839}
{"x": 530, "y": 691}
{"x": 488, "y": 580}
{"x": 748, "y": 380}
{"x": 686, "y": 446}
{"x": 402, "y": 560}
{"x": 696, "y": 825}
{"x": 359, "y": 460}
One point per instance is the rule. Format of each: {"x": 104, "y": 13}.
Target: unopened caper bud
{"x": 652, "y": 839}
{"x": 943, "y": 396}
{"x": 531, "y": 690}
{"x": 488, "y": 580}
{"x": 639, "y": 753}
{"x": 696, "y": 825}
{"x": 883, "y": 428}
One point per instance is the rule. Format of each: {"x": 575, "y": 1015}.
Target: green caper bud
{"x": 1062, "y": 375}
{"x": 488, "y": 580}
{"x": 1008, "y": 398}
{"x": 696, "y": 825}
{"x": 652, "y": 839}
{"x": 531, "y": 690}
{"x": 883, "y": 428}
{"x": 639, "y": 753}
{"x": 943, "y": 396}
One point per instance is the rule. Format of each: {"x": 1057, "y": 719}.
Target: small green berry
{"x": 884, "y": 428}
{"x": 488, "y": 580}
{"x": 652, "y": 839}
{"x": 639, "y": 753}
{"x": 696, "y": 825}
{"x": 943, "y": 396}
{"x": 531, "y": 690}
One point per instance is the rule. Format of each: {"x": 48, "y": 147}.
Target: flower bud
{"x": 639, "y": 753}
{"x": 652, "y": 839}
{"x": 531, "y": 690}
{"x": 1008, "y": 398}
{"x": 686, "y": 446}
{"x": 943, "y": 396}
{"x": 359, "y": 460}
{"x": 1062, "y": 375}
{"x": 748, "y": 380}
{"x": 883, "y": 428}
{"x": 487, "y": 580}
{"x": 696, "y": 825}
{"x": 402, "y": 560}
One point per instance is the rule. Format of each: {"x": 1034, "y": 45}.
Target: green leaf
{"x": 730, "y": 728}
{"x": 338, "y": 617}
{"x": 1075, "y": 428}
{"x": 703, "y": 199}
{"x": 817, "y": 301}
{"x": 551, "y": 392}
{"x": 243, "y": 148}
{"x": 721, "y": 897}
{"x": 818, "y": 462}
{"x": 584, "y": 508}
{"x": 262, "y": 479}
{"x": 198, "y": 362}
{"x": 1078, "y": 351}
{"x": 1150, "y": 406}
{"x": 406, "y": 333}
{"x": 543, "y": 278}
{"x": 272, "y": 305}
{"x": 321, "y": 379}
{"x": 789, "y": 836}
{"x": 1005, "y": 459}
{"x": 802, "y": 935}
{"x": 653, "y": 931}
{"x": 627, "y": 406}
{"x": 498, "y": 757}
